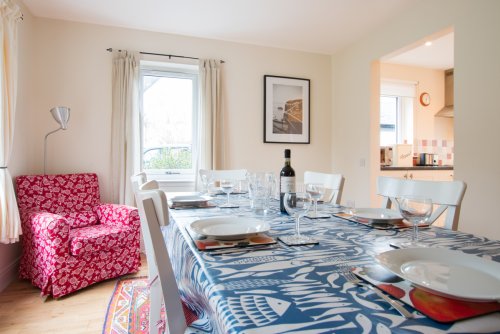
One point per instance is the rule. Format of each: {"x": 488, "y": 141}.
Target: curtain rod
{"x": 163, "y": 55}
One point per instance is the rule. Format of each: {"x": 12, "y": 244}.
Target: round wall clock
{"x": 425, "y": 99}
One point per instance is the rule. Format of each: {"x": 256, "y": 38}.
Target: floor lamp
{"x": 61, "y": 115}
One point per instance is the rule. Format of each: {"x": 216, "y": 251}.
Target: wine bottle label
{"x": 287, "y": 184}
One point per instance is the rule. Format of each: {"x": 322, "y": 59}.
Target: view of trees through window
{"x": 168, "y": 109}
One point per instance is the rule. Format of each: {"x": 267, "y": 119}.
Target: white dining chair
{"x": 221, "y": 174}
{"x": 137, "y": 181}
{"x": 334, "y": 184}
{"x": 445, "y": 195}
{"x": 153, "y": 211}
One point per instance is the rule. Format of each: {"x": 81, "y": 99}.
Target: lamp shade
{"x": 61, "y": 115}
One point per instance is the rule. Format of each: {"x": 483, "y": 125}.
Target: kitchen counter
{"x": 389, "y": 168}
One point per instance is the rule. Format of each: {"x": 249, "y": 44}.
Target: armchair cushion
{"x": 79, "y": 219}
{"x": 98, "y": 238}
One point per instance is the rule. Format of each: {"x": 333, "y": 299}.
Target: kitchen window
{"x": 169, "y": 110}
{"x": 396, "y": 112}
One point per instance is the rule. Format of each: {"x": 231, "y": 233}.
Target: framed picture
{"x": 286, "y": 110}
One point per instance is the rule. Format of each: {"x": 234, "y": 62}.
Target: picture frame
{"x": 286, "y": 110}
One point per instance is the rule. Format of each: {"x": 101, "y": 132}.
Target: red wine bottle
{"x": 287, "y": 180}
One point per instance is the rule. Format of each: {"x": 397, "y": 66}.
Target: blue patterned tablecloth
{"x": 302, "y": 289}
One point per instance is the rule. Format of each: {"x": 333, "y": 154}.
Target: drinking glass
{"x": 316, "y": 190}
{"x": 227, "y": 187}
{"x": 206, "y": 180}
{"x": 416, "y": 210}
{"x": 296, "y": 205}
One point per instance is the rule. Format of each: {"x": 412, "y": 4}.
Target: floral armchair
{"x": 70, "y": 240}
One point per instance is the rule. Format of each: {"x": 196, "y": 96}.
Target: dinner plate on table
{"x": 189, "y": 200}
{"x": 377, "y": 215}
{"x": 229, "y": 228}
{"x": 445, "y": 272}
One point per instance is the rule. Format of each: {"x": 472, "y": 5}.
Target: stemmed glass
{"x": 227, "y": 187}
{"x": 297, "y": 204}
{"x": 316, "y": 190}
{"x": 416, "y": 210}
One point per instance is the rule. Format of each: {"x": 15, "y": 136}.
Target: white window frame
{"x": 175, "y": 70}
{"x": 404, "y": 120}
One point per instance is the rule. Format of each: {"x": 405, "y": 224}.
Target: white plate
{"x": 189, "y": 199}
{"x": 446, "y": 272}
{"x": 229, "y": 228}
{"x": 378, "y": 215}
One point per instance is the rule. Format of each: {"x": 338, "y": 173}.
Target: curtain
{"x": 10, "y": 224}
{"x": 125, "y": 142}
{"x": 211, "y": 150}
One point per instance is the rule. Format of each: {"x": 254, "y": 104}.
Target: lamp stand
{"x": 45, "y": 148}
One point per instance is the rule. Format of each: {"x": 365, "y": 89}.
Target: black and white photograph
{"x": 286, "y": 110}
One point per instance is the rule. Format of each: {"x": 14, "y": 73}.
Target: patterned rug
{"x": 128, "y": 309}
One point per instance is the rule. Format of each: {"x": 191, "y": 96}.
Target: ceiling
{"x": 439, "y": 55}
{"x": 318, "y": 26}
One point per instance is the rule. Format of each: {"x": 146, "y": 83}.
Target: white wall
{"x": 426, "y": 126}
{"x": 73, "y": 68}
{"x": 64, "y": 63}
{"x": 477, "y": 115}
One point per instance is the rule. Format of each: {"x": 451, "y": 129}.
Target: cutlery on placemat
{"x": 349, "y": 276}
{"x": 242, "y": 249}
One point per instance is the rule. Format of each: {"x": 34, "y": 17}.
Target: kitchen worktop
{"x": 417, "y": 168}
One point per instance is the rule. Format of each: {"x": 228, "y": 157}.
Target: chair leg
{"x": 155, "y": 298}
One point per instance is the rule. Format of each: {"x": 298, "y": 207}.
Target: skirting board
{"x": 9, "y": 273}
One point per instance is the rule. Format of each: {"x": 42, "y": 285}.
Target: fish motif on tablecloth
{"x": 254, "y": 309}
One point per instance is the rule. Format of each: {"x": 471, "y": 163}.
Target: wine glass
{"x": 297, "y": 204}
{"x": 416, "y": 210}
{"x": 227, "y": 187}
{"x": 316, "y": 190}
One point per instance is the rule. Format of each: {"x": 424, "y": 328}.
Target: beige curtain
{"x": 211, "y": 150}
{"x": 125, "y": 143}
{"x": 10, "y": 224}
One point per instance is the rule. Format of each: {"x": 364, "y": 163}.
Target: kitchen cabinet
{"x": 419, "y": 174}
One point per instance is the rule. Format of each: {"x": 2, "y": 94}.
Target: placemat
{"x": 204, "y": 205}
{"x": 207, "y": 243}
{"x": 438, "y": 308}
{"x": 379, "y": 226}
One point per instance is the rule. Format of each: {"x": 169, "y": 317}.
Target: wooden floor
{"x": 22, "y": 310}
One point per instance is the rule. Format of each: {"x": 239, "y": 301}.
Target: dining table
{"x": 277, "y": 288}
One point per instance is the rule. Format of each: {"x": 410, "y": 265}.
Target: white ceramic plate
{"x": 378, "y": 215}
{"x": 229, "y": 228}
{"x": 189, "y": 199}
{"x": 446, "y": 272}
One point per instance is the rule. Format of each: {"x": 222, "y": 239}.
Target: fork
{"x": 349, "y": 276}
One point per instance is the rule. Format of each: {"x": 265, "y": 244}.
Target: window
{"x": 396, "y": 113}
{"x": 169, "y": 110}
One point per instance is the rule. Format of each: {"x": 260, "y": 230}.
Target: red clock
{"x": 425, "y": 99}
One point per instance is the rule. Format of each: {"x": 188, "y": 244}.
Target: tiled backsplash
{"x": 442, "y": 147}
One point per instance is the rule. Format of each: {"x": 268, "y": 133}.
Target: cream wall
{"x": 64, "y": 63}
{"x": 426, "y": 126}
{"x": 72, "y": 68}
{"x": 477, "y": 115}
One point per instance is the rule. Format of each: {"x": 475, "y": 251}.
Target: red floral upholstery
{"x": 70, "y": 240}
